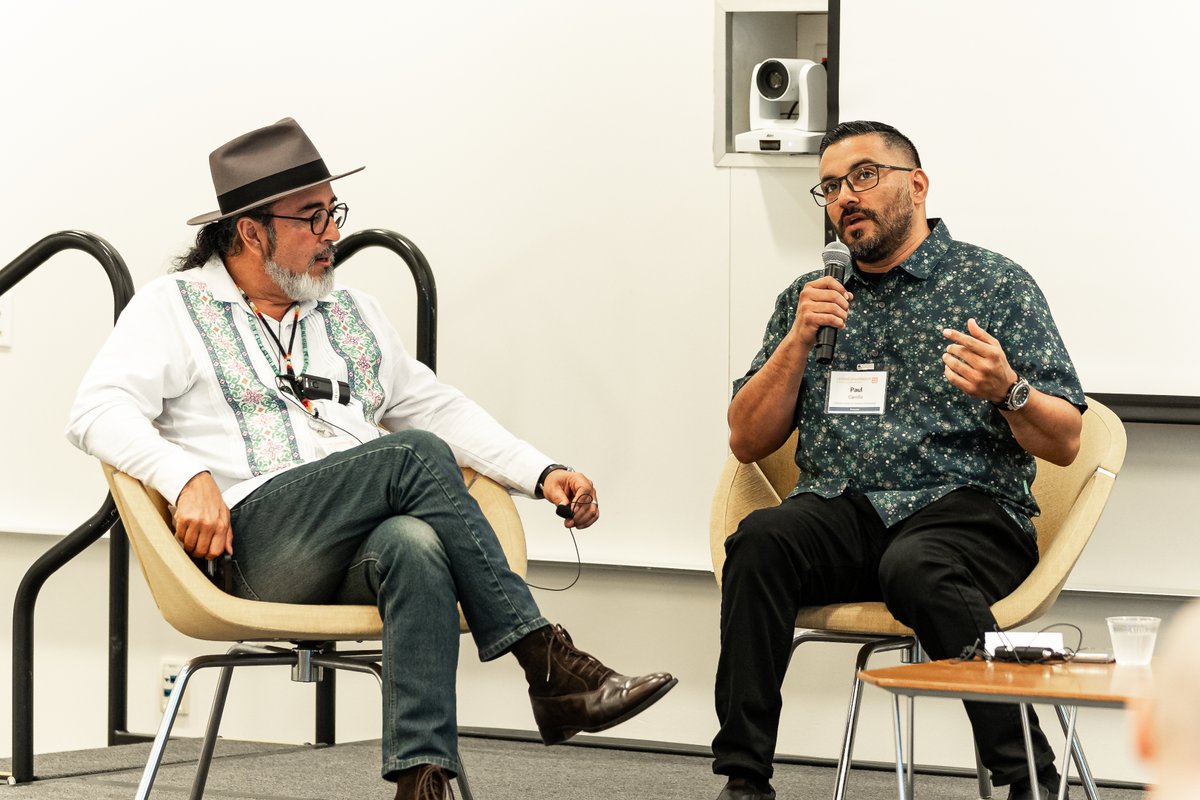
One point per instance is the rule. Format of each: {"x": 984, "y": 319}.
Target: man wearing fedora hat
{"x": 297, "y": 438}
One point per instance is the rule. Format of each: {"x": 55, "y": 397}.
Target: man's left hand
{"x": 576, "y": 490}
{"x": 976, "y": 364}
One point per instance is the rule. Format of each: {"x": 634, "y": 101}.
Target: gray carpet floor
{"x": 498, "y": 770}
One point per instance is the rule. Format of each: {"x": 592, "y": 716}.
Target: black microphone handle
{"x": 827, "y": 335}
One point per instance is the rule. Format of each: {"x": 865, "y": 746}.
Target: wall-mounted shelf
{"x": 784, "y": 161}
{"x": 750, "y": 31}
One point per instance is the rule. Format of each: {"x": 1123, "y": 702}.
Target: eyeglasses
{"x": 860, "y": 179}
{"x": 319, "y": 221}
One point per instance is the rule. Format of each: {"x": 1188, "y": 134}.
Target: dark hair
{"x": 861, "y": 127}
{"x": 221, "y": 238}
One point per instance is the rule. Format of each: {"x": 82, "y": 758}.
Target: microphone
{"x": 836, "y": 257}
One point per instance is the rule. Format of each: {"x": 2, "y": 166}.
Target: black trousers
{"x": 938, "y": 572}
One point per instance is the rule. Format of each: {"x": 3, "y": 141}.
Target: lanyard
{"x": 287, "y": 354}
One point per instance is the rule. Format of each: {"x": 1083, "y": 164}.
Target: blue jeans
{"x": 390, "y": 522}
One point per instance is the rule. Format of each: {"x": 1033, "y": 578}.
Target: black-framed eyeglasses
{"x": 860, "y": 179}
{"x": 320, "y": 218}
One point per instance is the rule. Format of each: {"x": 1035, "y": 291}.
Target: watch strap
{"x": 541, "y": 481}
{"x": 1008, "y": 404}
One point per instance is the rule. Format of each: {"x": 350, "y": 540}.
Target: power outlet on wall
{"x": 170, "y": 674}
{"x": 6, "y": 321}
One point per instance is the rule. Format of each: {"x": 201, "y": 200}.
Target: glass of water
{"x": 1133, "y": 639}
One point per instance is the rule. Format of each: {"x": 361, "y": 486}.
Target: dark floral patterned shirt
{"x": 932, "y": 438}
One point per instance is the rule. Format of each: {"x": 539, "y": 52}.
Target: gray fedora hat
{"x": 262, "y": 166}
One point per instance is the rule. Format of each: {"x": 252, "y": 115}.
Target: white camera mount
{"x": 787, "y": 107}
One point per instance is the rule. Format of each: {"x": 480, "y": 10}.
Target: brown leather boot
{"x": 572, "y": 691}
{"x": 423, "y": 782}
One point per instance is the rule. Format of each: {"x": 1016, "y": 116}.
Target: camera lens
{"x": 772, "y": 80}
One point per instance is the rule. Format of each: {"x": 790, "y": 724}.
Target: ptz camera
{"x": 787, "y": 107}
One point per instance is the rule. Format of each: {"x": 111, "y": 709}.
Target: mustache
{"x": 863, "y": 212}
{"x": 328, "y": 253}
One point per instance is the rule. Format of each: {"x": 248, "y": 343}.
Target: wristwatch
{"x": 541, "y": 481}
{"x": 1017, "y": 397}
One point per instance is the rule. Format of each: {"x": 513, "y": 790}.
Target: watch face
{"x": 1019, "y": 396}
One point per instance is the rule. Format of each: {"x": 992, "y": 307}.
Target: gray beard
{"x": 300, "y": 287}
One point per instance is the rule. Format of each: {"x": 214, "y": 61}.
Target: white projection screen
{"x": 1061, "y": 135}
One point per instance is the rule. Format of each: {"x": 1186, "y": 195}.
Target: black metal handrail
{"x": 45, "y": 249}
{"x": 422, "y": 276}
{"x": 79, "y": 539}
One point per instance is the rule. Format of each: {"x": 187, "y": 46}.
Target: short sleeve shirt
{"x": 932, "y": 437}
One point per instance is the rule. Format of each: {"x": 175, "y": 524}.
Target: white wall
{"x": 600, "y": 284}
{"x": 1052, "y": 132}
{"x": 582, "y": 265}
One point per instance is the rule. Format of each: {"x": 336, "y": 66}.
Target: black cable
{"x": 285, "y": 355}
{"x": 1068, "y": 652}
{"x": 316, "y": 416}
{"x": 1048, "y": 654}
{"x": 567, "y": 511}
{"x": 1007, "y": 643}
{"x": 574, "y": 541}
{"x": 974, "y": 651}
{"x": 578, "y": 570}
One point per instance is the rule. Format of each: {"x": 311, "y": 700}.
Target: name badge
{"x": 860, "y": 392}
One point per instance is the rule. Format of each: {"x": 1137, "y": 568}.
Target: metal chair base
{"x": 306, "y": 661}
{"x": 870, "y": 646}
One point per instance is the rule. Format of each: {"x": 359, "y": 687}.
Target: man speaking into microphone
{"x": 918, "y": 427}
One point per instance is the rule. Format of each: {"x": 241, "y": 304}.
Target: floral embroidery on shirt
{"x": 356, "y": 344}
{"x": 932, "y": 438}
{"x": 261, "y": 415}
